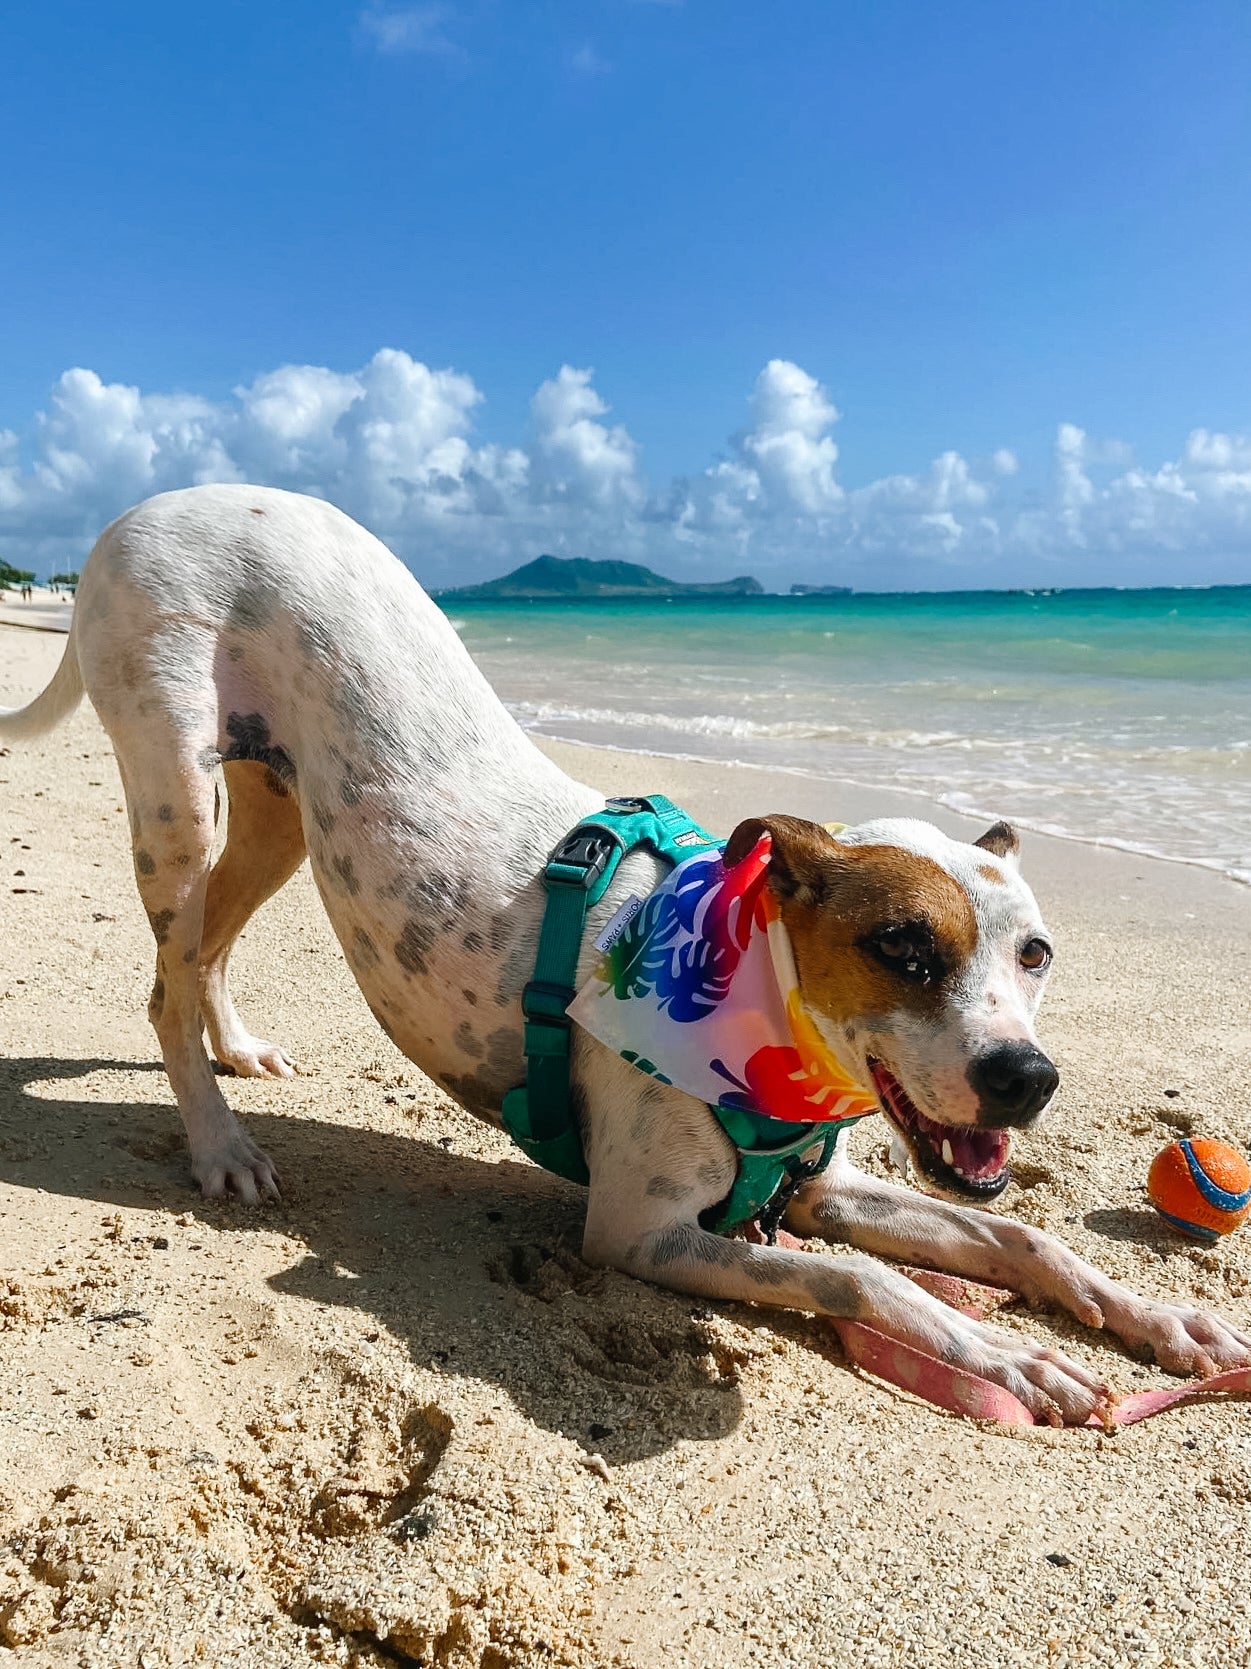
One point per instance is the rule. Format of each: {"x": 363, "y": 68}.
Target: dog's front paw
{"x": 1180, "y": 1338}
{"x": 1051, "y": 1385}
{"x": 237, "y": 1167}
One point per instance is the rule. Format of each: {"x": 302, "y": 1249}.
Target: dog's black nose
{"x": 1013, "y": 1083}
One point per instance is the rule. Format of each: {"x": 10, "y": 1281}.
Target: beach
{"x": 396, "y": 1418}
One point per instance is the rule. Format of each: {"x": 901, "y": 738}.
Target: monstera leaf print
{"x": 633, "y": 964}
{"x": 686, "y": 942}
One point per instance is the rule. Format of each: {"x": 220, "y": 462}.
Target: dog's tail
{"x": 45, "y": 712}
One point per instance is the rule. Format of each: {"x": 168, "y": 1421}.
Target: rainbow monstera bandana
{"x": 698, "y": 988}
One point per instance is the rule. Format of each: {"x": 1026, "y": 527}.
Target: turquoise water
{"x": 1115, "y": 716}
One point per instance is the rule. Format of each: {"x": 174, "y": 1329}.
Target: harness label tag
{"x": 620, "y": 921}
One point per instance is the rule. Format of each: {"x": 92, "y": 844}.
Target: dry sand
{"x": 396, "y": 1419}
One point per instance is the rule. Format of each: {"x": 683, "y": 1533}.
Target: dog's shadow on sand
{"x": 472, "y": 1265}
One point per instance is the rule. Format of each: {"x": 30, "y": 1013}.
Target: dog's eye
{"x": 1035, "y": 956}
{"x": 907, "y": 951}
{"x": 896, "y": 945}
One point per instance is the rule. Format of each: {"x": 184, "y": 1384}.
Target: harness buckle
{"x": 542, "y": 999}
{"x": 585, "y": 852}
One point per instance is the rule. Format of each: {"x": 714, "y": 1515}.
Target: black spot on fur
{"x": 252, "y": 605}
{"x": 439, "y": 894}
{"x": 468, "y": 1041}
{"x": 350, "y": 791}
{"x": 324, "y": 819}
{"x": 504, "y": 1053}
{"x": 250, "y": 739}
{"x": 156, "y": 1002}
{"x": 345, "y": 869}
{"x": 412, "y": 945}
{"x": 145, "y": 863}
{"x": 189, "y": 956}
{"x": 165, "y": 814}
{"x": 472, "y": 941}
{"x": 471, "y": 997}
{"x": 276, "y": 785}
{"x": 834, "y": 1292}
{"x": 161, "y": 921}
{"x": 474, "y": 1091}
{"x": 684, "y": 1244}
{"x": 667, "y": 1188}
{"x": 364, "y": 718}
{"x": 364, "y": 950}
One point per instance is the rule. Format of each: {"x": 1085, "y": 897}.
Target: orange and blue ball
{"x": 1202, "y": 1187}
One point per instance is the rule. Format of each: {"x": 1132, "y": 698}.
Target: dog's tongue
{"x": 977, "y": 1154}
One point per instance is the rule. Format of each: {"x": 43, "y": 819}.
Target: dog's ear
{"x": 799, "y": 863}
{"x": 1001, "y": 839}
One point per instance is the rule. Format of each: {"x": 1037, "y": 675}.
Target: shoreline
{"x": 971, "y": 814}
{"x": 906, "y": 797}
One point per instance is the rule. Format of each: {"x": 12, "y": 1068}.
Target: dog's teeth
{"x": 948, "y": 1157}
{"x": 899, "y": 1153}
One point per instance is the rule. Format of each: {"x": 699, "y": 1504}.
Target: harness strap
{"x": 537, "y": 1114}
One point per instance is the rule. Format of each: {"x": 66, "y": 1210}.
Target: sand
{"x": 396, "y": 1419}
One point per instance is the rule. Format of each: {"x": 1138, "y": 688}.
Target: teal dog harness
{"x": 538, "y": 1114}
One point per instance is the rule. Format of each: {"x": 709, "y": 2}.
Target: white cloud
{"x": 1205, "y": 450}
{"x": 576, "y": 458}
{"x": 789, "y": 447}
{"x": 1074, "y": 488}
{"x": 393, "y": 30}
{"x": 395, "y": 442}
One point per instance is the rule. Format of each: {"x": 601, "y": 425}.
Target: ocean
{"x": 1120, "y": 717}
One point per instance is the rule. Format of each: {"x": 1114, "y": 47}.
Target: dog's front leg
{"x": 880, "y": 1217}
{"x": 658, "y": 1159}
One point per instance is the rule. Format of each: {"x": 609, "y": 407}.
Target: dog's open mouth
{"x": 955, "y": 1157}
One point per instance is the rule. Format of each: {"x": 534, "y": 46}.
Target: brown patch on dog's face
{"x": 875, "y": 929}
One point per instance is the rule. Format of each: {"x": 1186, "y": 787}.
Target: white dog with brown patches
{"x": 267, "y": 633}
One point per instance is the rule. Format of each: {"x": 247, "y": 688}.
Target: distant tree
{"x": 14, "y": 576}
{"x": 64, "y": 579}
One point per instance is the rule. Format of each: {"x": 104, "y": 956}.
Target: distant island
{"x": 822, "y": 591}
{"x": 582, "y": 577}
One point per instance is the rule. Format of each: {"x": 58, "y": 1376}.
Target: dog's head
{"x": 922, "y": 960}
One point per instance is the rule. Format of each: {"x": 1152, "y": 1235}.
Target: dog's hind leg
{"x": 171, "y": 820}
{"x": 264, "y": 847}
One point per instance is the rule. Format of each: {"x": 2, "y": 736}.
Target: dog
{"x": 224, "y": 627}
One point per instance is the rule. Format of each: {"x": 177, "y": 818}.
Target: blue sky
{"x": 889, "y": 293}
